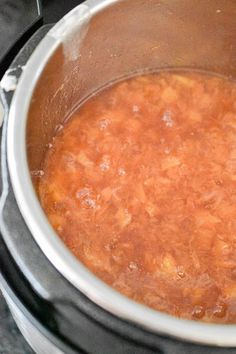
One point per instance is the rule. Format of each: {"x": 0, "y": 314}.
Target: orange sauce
{"x": 140, "y": 184}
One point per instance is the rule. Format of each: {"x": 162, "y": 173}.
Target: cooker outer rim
{"x": 47, "y": 239}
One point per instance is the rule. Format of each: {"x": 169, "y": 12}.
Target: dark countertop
{"x": 11, "y": 340}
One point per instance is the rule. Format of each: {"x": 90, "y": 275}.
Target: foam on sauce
{"x": 140, "y": 184}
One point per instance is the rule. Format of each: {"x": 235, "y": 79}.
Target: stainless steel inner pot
{"x": 96, "y": 43}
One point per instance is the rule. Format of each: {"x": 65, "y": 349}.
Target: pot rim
{"x": 50, "y": 243}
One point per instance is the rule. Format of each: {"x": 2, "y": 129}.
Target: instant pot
{"x": 58, "y": 304}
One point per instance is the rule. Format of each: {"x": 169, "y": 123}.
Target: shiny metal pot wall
{"x": 98, "y": 42}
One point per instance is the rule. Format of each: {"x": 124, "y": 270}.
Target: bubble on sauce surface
{"x": 167, "y": 119}
{"x": 37, "y": 173}
{"x": 59, "y": 228}
{"x": 104, "y": 166}
{"x": 220, "y": 310}
{"x": 109, "y": 246}
{"x": 135, "y": 108}
{"x": 82, "y": 193}
{"x": 133, "y": 266}
{"x": 89, "y": 203}
{"x": 59, "y": 127}
{"x": 104, "y": 123}
{"x": 198, "y": 312}
{"x": 121, "y": 171}
{"x": 180, "y": 272}
{"x": 49, "y": 145}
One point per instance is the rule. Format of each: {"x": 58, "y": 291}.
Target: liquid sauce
{"x": 140, "y": 184}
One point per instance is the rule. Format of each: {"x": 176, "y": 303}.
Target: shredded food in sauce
{"x": 140, "y": 184}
